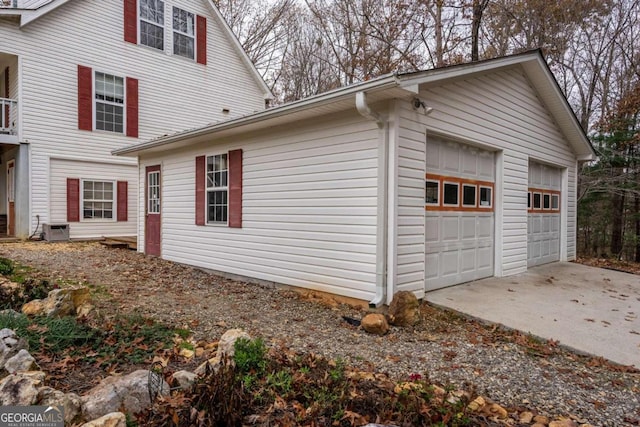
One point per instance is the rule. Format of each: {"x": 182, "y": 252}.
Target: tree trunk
{"x": 617, "y": 223}
{"x": 636, "y": 217}
{"x": 478, "y": 9}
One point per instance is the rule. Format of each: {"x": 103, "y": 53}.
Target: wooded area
{"x": 305, "y": 47}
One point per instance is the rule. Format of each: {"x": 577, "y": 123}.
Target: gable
{"x": 499, "y": 109}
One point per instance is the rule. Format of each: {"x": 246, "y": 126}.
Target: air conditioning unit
{"x": 55, "y": 232}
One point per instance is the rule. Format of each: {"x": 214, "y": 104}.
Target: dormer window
{"x": 152, "y": 23}
{"x": 183, "y": 33}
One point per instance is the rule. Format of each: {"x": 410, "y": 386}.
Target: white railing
{"x": 8, "y": 116}
{"x": 23, "y": 4}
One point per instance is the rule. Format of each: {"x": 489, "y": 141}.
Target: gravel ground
{"x": 500, "y": 365}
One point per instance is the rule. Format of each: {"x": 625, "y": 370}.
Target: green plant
{"x": 250, "y": 355}
{"x": 281, "y": 381}
{"x": 337, "y": 372}
{"x": 6, "y": 266}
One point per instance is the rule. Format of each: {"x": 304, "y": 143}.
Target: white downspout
{"x": 381, "y": 223}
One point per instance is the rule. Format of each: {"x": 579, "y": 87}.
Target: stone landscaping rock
{"x": 404, "y": 309}
{"x": 129, "y": 392}
{"x": 71, "y": 402}
{"x": 59, "y": 302}
{"x": 226, "y": 346}
{"x": 21, "y": 389}
{"x": 526, "y": 417}
{"x": 10, "y": 345}
{"x": 113, "y": 419}
{"x": 22, "y": 361}
{"x": 185, "y": 379}
{"x": 375, "y": 323}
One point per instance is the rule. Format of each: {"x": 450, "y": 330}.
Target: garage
{"x": 543, "y": 214}
{"x": 459, "y": 213}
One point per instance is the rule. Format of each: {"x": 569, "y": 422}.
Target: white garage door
{"x": 543, "y": 230}
{"x": 459, "y": 217}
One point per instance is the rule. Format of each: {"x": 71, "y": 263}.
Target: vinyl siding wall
{"x": 410, "y": 231}
{"x": 501, "y": 111}
{"x": 174, "y": 93}
{"x": 309, "y": 207}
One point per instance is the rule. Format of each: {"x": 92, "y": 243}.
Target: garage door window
{"x": 432, "y": 193}
{"x": 450, "y": 194}
{"x": 546, "y": 201}
{"x": 555, "y": 202}
{"x": 537, "y": 200}
{"x": 486, "y": 200}
{"x": 469, "y": 195}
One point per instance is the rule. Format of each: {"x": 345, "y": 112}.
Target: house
{"x": 406, "y": 182}
{"x": 81, "y": 78}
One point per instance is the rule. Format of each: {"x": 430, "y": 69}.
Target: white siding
{"x": 309, "y": 207}
{"x": 501, "y": 111}
{"x": 174, "y": 93}
{"x": 411, "y": 232}
{"x": 61, "y": 169}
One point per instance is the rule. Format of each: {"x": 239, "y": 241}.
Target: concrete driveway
{"x": 591, "y": 310}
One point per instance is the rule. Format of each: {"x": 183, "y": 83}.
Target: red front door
{"x": 152, "y": 211}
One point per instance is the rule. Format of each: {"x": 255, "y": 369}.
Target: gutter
{"x": 381, "y": 223}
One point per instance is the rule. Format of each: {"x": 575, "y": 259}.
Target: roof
{"x": 383, "y": 88}
{"x": 31, "y": 10}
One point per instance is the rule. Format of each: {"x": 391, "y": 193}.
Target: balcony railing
{"x": 8, "y": 116}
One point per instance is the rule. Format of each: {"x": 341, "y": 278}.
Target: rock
{"x": 563, "y": 423}
{"x": 10, "y": 345}
{"x": 113, "y": 419}
{"x": 214, "y": 364}
{"x": 541, "y": 419}
{"x": 404, "y": 309}
{"x": 526, "y": 417}
{"x": 498, "y": 411}
{"x": 185, "y": 379}
{"x": 226, "y": 345}
{"x": 375, "y": 323}
{"x": 186, "y": 353}
{"x": 59, "y": 302}
{"x": 539, "y": 425}
{"x": 22, "y": 361}
{"x": 84, "y": 309}
{"x": 477, "y": 404}
{"x": 71, "y": 402}
{"x": 20, "y": 389}
{"x": 129, "y": 392}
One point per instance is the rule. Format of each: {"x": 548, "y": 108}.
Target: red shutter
{"x": 235, "y": 188}
{"x": 123, "y": 200}
{"x": 200, "y": 189}
{"x": 201, "y": 41}
{"x": 85, "y": 98}
{"x": 130, "y": 21}
{"x": 73, "y": 200}
{"x": 132, "y": 107}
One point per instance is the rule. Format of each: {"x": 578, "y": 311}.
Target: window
{"x": 97, "y": 199}
{"x": 537, "y": 200}
{"x": 109, "y": 99}
{"x": 432, "y": 193}
{"x": 217, "y": 190}
{"x": 546, "y": 201}
{"x": 450, "y": 194}
{"x": 469, "y": 195}
{"x": 153, "y": 196}
{"x": 529, "y": 200}
{"x": 555, "y": 202}
{"x": 183, "y": 33}
{"x": 486, "y": 200}
{"x": 152, "y": 23}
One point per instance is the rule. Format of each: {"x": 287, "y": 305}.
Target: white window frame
{"x": 539, "y": 207}
{"x": 96, "y": 101}
{"x": 113, "y": 201}
{"x": 150, "y": 185}
{"x": 210, "y": 189}
{"x": 555, "y": 197}
{"x": 175, "y": 32}
{"x": 444, "y": 185}
{"x": 485, "y": 187}
{"x": 11, "y": 181}
{"x": 155, "y": 24}
{"x": 432, "y": 181}
{"x": 475, "y": 198}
